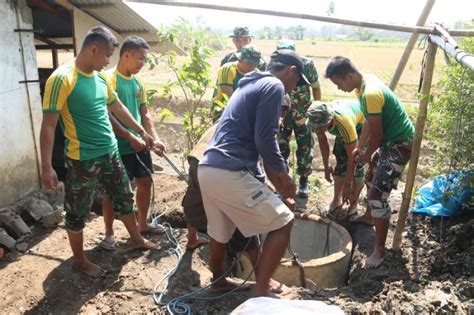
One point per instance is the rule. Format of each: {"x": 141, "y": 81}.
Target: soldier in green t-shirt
{"x": 390, "y": 134}
{"x": 229, "y": 75}
{"x": 343, "y": 119}
{"x": 241, "y": 37}
{"x": 295, "y": 121}
{"x": 136, "y": 158}
{"x": 79, "y": 95}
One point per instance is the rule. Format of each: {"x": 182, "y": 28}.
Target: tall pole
{"x": 411, "y": 43}
{"x": 415, "y": 153}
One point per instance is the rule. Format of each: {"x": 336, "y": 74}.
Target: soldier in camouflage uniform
{"x": 241, "y": 37}
{"x": 295, "y": 120}
{"x": 390, "y": 134}
{"x": 80, "y": 94}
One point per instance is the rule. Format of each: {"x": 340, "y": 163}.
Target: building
{"x": 28, "y": 26}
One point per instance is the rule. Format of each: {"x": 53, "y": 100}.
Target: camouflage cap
{"x": 250, "y": 53}
{"x": 241, "y": 32}
{"x": 286, "y": 45}
{"x": 319, "y": 114}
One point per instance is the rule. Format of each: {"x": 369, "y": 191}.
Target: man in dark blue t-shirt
{"x": 233, "y": 191}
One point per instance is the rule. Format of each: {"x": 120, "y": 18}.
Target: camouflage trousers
{"x": 385, "y": 169}
{"x": 340, "y": 171}
{"x": 295, "y": 120}
{"x": 82, "y": 182}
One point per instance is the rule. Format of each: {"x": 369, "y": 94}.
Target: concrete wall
{"x": 20, "y": 104}
{"x": 83, "y": 22}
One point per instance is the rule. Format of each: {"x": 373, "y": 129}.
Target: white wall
{"x": 19, "y": 126}
{"x": 83, "y": 22}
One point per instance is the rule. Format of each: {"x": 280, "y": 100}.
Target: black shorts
{"x": 134, "y": 167}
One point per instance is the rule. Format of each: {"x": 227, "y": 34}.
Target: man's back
{"x": 248, "y": 126}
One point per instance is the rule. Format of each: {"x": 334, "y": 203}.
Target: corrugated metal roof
{"x": 115, "y": 14}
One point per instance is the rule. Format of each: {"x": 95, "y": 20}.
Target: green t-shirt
{"x": 131, "y": 92}
{"x": 377, "y": 99}
{"x": 227, "y": 75}
{"x": 348, "y": 121}
{"x": 81, "y": 99}
{"x": 301, "y": 95}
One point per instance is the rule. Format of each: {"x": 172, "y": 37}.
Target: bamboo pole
{"x": 411, "y": 43}
{"x": 328, "y": 19}
{"x": 420, "y": 124}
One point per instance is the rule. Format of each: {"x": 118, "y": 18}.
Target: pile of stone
{"x": 14, "y": 232}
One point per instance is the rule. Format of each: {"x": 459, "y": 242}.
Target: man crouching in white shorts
{"x": 232, "y": 183}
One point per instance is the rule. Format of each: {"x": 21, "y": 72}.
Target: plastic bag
{"x": 446, "y": 195}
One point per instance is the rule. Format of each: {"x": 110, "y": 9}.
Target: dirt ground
{"x": 431, "y": 273}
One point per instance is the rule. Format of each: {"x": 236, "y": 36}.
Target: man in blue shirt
{"x": 231, "y": 180}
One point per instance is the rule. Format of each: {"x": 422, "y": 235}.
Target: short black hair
{"x": 133, "y": 43}
{"x": 340, "y": 67}
{"x": 101, "y": 35}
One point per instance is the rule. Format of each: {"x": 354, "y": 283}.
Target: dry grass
{"x": 380, "y": 59}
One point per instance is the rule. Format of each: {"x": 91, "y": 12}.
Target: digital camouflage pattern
{"x": 231, "y": 57}
{"x": 82, "y": 181}
{"x": 295, "y": 120}
{"x": 385, "y": 169}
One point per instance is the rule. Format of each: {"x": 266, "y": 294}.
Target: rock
{"x": 14, "y": 225}
{"x": 2, "y": 252}
{"x": 38, "y": 208}
{"x": 52, "y": 219}
{"x": 6, "y": 240}
{"x": 21, "y": 246}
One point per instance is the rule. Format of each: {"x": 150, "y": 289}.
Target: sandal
{"x": 108, "y": 243}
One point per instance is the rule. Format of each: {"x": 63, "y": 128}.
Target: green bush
{"x": 451, "y": 116}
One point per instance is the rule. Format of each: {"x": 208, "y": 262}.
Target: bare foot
{"x": 150, "y": 229}
{"x": 284, "y": 295}
{"x": 192, "y": 245}
{"x": 89, "y": 269}
{"x": 374, "y": 260}
{"x": 145, "y": 244}
{"x": 277, "y": 287}
{"x": 225, "y": 285}
{"x": 364, "y": 219}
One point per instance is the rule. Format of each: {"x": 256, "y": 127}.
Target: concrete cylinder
{"x": 324, "y": 249}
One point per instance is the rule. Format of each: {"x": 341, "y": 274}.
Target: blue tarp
{"x": 446, "y": 195}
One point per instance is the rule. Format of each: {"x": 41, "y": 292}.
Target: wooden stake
{"x": 415, "y": 153}
{"x": 328, "y": 19}
{"x": 411, "y": 43}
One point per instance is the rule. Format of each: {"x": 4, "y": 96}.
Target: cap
{"x": 291, "y": 58}
{"x": 319, "y": 114}
{"x": 249, "y": 53}
{"x": 241, "y": 32}
{"x": 286, "y": 45}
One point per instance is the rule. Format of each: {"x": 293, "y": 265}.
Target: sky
{"x": 403, "y": 12}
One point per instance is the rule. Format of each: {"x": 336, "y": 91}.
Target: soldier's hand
{"x": 347, "y": 193}
{"x": 148, "y": 140}
{"x": 159, "y": 147}
{"x": 137, "y": 143}
{"x": 49, "y": 178}
{"x": 328, "y": 172}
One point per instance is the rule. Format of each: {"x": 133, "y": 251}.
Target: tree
{"x": 300, "y": 29}
{"x": 192, "y": 77}
{"x": 330, "y": 10}
{"x": 363, "y": 33}
{"x": 451, "y": 116}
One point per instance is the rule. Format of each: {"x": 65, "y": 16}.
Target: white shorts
{"x": 237, "y": 199}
